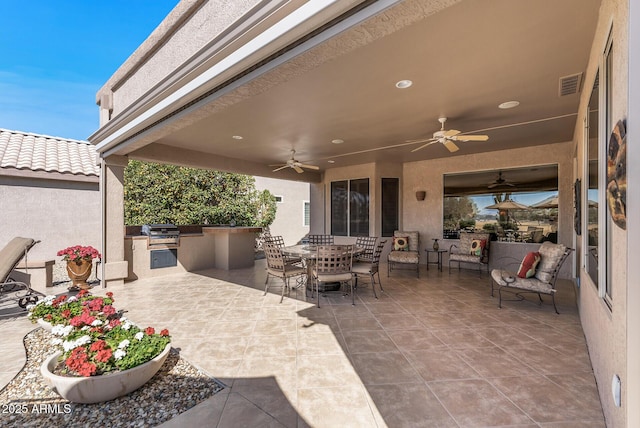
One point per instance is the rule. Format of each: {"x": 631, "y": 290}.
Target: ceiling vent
{"x": 570, "y": 85}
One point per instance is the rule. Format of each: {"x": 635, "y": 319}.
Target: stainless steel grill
{"x": 161, "y": 236}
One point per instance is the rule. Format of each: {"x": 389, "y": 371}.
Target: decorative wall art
{"x": 617, "y": 175}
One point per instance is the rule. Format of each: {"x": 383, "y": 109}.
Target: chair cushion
{"x": 550, "y": 256}
{"x": 401, "y": 243}
{"x": 465, "y": 258}
{"x": 414, "y": 237}
{"x": 334, "y": 277}
{"x": 504, "y": 277}
{"x": 403, "y": 257}
{"x": 528, "y": 266}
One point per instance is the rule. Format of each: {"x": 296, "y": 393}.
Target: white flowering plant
{"x": 99, "y": 340}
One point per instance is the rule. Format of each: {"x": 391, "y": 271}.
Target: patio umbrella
{"x": 550, "y": 202}
{"x": 507, "y": 205}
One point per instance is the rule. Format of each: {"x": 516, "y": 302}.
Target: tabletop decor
{"x": 436, "y": 246}
{"x": 79, "y": 262}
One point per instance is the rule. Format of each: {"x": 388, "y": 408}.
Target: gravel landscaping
{"x": 28, "y": 402}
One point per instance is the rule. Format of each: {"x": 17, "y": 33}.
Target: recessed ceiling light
{"x": 509, "y": 104}
{"x": 403, "y": 84}
{"x": 337, "y": 141}
{"x": 237, "y": 137}
{"x": 331, "y": 161}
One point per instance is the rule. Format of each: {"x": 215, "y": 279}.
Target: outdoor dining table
{"x": 308, "y": 253}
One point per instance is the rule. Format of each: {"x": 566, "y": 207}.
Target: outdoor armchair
{"x": 473, "y": 248}
{"x": 550, "y": 259}
{"x": 10, "y": 289}
{"x": 405, "y": 251}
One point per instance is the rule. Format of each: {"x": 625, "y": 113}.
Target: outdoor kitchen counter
{"x": 234, "y": 246}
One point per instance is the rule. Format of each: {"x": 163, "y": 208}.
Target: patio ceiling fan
{"x": 447, "y": 138}
{"x": 500, "y": 182}
{"x": 295, "y": 164}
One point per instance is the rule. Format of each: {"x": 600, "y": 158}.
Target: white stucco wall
{"x": 606, "y": 329}
{"x": 289, "y": 221}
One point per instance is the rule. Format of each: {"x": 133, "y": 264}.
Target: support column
{"x": 114, "y": 266}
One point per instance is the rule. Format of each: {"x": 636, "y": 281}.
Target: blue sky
{"x": 56, "y": 54}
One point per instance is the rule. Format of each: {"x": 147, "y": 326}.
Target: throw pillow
{"x": 528, "y": 266}
{"x": 477, "y": 246}
{"x": 401, "y": 243}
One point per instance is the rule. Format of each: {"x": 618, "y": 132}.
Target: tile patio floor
{"x": 430, "y": 352}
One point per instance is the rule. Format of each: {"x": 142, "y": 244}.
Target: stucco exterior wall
{"x": 58, "y": 213}
{"x": 606, "y": 329}
{"x": 289, "y": 221}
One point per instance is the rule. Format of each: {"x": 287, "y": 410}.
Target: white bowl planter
{"x": 45, "y": 324}
{"x": 96, "y": 389}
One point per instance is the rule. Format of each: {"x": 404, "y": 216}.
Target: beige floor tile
{"x": 348, "y": 407}
{"x": 438, "y": 365}
{"x": 368, "y": 341}
{"x": 319, "y": 344}
{"x": 283, "y": 362}
{"x": 415, "y": 339}
{"x": 461, "y": 338}
{"x": 545, "y": 401}
{"x": 402, "y": 321}
{"x": 494, "y": 362}
{"x": 325, "y": 371}
{"x": 384, "y": 368}
{"x": 476, "y": 403}
{"x": 359, "y": 324}
{"x": 409, "y": 405}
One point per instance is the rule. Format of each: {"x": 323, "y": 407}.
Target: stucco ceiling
{"x": 464, "y": 61}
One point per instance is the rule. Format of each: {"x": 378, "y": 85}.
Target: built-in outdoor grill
{"x": 161, "y": 236}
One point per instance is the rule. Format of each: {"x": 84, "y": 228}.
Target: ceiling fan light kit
{"x": 294, "y": 164}
{"x": 447, "y": 138}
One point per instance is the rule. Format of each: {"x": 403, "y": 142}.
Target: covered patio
{"x": 434, "y": 351}
{"x": 354, "y": 87}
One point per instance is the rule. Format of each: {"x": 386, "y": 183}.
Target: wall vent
{"x": 570, "y": 85}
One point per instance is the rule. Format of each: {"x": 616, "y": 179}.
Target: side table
{"x": 438, "y": 260}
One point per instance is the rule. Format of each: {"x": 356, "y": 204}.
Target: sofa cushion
{"x": 528, "y": 266}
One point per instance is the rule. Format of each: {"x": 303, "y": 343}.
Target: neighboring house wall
{"x": 289, "y": 221}
{"x": 49, "y": 191}
{"x": 59, "y": 214}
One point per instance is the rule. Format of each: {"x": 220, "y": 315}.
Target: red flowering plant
{"x": 96, "y": 339}
{"x": 62, "y": 309}
{"x": 79, "y": 253}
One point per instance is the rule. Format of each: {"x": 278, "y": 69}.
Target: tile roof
{"x": 26, "y": 151}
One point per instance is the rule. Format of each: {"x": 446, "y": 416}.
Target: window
{"x": 350, "y": 207}
{"x": 516, "y": 205}
{"x": 605, "y": 246}
{"x": 306, "y": 214}
{"x": 390, "y": 205}
{"x": 591, "y": 202}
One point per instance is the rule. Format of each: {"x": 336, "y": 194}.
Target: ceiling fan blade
{"x": 450, "y": 133}
{"x": 302, "y": 165}
{"x": 423, "y": 146}
{"x": 278, "y": 169}
{"x": 451, "y": 146}
{"x": 471, "y": 138}
{"x": 298, "y": 169}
